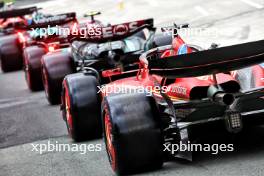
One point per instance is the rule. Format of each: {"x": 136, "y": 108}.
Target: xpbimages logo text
{"x": 190, "y": 147}
{"x": 192, "y": 31}
{"x": 127, "y": 89}
{"x": 92, "y": 30}
{"x": 65, "y": 147}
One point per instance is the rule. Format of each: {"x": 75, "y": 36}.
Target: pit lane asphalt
{"x": 26, "y": 117}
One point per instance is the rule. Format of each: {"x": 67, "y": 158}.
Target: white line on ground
{"x": 253, "y": 4}
{"x": 8, "y": 105}
{"x": 201, "y": 10}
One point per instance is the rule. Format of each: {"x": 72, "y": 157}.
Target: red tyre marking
{"x": 68, "y": 110}
{"x": 109, "y": 140}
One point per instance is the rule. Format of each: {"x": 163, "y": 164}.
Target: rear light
{"x": 51, "y": 48}
{"x": 233, "y": 121}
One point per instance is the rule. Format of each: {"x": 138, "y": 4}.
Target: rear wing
{"x": 50, "y": 21}
{"x": 115, "y": 32}
{"x": 205, "y": 62}
{"x": 17, "y": 12}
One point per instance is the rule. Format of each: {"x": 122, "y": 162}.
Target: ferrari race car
{"x": 16, "y": 26}
{"x": 12, "y": 21}
{"x": 175, "y": 92}
{"x": 95, "y": 53}
{"x": 45, "y": 38}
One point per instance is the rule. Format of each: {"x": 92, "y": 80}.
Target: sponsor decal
{"x": 203, "y": 78}
{"x": 50, "y": 19}
{"x": 29, "y": 21}
{"x": 179, "y": 90}
{"x": 120, "y": 29}
{"x": 182, "y": 50}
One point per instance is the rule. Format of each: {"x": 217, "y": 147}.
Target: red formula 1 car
{"x": 11, "y": 22}
{"x": 44, "y": 39}
{"x": 178, "y": 98}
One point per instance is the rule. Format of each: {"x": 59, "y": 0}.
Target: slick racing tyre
{"x": 10, "y": 53}
{"x": 32, "y": 66}
{"x": 55, "y": 66}
{"x": 81, "y": 106}
{"x": 132, "y": 133}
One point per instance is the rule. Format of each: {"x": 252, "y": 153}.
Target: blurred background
{"x": 224, "y": 22}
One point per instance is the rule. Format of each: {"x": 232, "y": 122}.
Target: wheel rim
{"x": 45, "y": 81}
{"x": 109, "y": 140}
{"x": 68, "y": 112}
